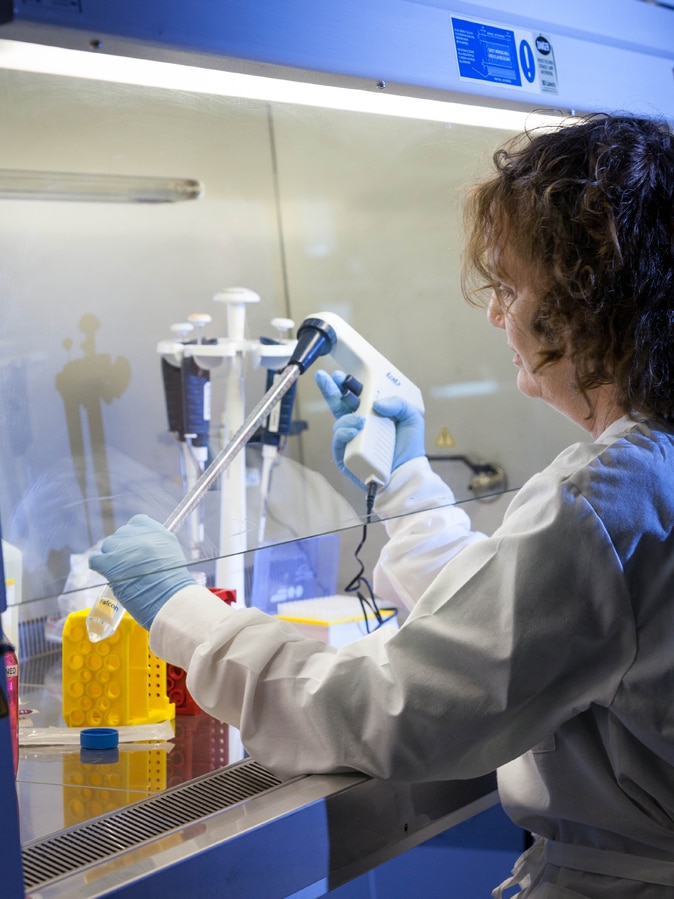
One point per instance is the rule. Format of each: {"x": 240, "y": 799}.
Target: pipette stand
{"x": 230, "y": 566}
{"x": 235, "y": 349}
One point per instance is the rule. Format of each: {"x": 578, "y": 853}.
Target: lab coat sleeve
{"x": 516, "y": 634}
{"x": 425, "y": 529}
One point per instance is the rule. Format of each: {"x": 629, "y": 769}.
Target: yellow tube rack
{"x": 116, "y": 682}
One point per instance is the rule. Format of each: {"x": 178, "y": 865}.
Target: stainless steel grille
{"x": 86, "y": 844}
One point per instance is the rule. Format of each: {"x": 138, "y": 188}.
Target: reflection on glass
{"x": 94, "y": 785}
{"x": 21, "y": 184}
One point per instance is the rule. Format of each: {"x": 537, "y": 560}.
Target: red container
{"x": 176, "y": 689}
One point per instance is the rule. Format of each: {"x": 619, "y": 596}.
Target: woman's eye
{"x": 504, "y": 294}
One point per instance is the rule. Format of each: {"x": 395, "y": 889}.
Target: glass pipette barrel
{"x": 107, "y": 611}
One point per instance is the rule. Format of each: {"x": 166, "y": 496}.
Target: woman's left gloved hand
{"x": 144, "y": 564}
{"x": 410, "y": 428}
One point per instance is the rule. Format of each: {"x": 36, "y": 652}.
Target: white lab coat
{"x": 545, "y": 651}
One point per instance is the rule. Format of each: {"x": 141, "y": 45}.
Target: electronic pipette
{"x": 369, "y": 455}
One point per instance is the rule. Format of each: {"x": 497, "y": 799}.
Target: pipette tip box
{"x": 336, "y": 620}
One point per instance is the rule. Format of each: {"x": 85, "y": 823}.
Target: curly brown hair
{"x": 588, "y": 209}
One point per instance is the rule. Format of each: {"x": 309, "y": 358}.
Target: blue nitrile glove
{"x": 410, "y": 428}
{"x": 408, "y": 420}
{"x": 340, "y": 402}
{"x": 144, "y": 565}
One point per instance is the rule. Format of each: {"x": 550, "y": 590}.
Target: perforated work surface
{"x": 86, "y": 844}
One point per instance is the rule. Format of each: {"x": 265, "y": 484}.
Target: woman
{"x": 544, "y": 651}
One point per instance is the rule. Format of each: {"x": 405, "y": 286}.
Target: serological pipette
{"x": 107, "y": 612}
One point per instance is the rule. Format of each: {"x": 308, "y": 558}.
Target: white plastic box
{"x": 336, "y": 620}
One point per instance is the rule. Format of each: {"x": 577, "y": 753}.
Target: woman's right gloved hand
{"x": 409, "y": 422}
{"x": 144, "y": 564}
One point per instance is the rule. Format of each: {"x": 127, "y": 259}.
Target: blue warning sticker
{"x": 486, "y": 52}
{"x": 506, "y": 56}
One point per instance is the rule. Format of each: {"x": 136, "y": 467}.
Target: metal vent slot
{"x": 99, "y": 839}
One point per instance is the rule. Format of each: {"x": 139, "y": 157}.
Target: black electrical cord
{"x": 359, "y": 584}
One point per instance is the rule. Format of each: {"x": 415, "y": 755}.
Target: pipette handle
{"x": 107, "y": 612}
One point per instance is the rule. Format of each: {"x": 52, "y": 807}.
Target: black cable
{"x": 369, "y": 503}
{"x": 359, "y": 584}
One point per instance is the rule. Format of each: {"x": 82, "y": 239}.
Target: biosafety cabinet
{"x": 181, "y": 185}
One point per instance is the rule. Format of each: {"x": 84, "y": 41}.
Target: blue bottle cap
{"x": 99, "y": 738}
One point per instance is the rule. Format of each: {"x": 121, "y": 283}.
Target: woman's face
{"x": 513, "y": 307}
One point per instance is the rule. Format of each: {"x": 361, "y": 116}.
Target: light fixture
{"x": 18, "y": 184}
{"x": 24, "y": 56}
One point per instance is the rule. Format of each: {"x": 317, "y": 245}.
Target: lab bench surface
{"x": 181, "y": 819}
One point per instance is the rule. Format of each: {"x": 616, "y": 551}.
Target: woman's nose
{"x": 495, "y": 312}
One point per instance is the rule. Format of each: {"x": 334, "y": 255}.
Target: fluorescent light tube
{"x": 17, "y": 184}
{"x": 151, "y": 73}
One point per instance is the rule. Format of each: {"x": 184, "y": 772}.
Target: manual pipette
{"x": 107, "y": 612}
{"x": 275, "y": 430}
